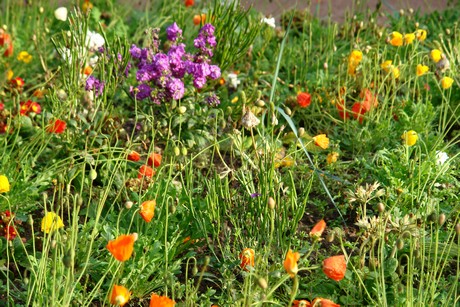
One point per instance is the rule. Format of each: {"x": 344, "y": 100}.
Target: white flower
{"x": 93, "y": 61}
{"x": 94, "y": 40}
{"x": 61, "y": 13}
{"x": 441, "y": 157}
{"x": 269, "y": 21}
{"x": 233, "y": 79}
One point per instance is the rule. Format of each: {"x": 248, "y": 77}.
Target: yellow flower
{"x": 387, "y": 65}
{"x": 436, "y": 55}
{"x": 422, "y": 69}
{"x": 9, "y": 74}
{"x": 332, "y": 157}
{"x": 51, "y": 222}
{"x": 410, "y": 137}
{"x": 396, "y": 39}
{"x": 356, "y": 57}
{"x": 24, "y": 56}
{"x": 420, "y": 35}
{"x": 395, "y": 72}
{"x": 4, "y": 184}
{"x": 322, "y": 141}
{"x": 446, "y": 82}
{"x": 409, "y": 38}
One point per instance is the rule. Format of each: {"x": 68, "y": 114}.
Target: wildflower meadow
{"x": 200, "y": 153}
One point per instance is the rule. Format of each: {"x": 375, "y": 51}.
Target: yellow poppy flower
{"x": 410, "y": 137}
{"x": 387, "y": 65}
{"x": 409, "y": 38}
{"x": 332, "y": 157}
{"x": 446, "y": 82}
{"x": 436, "y": 55}
{"x": 396, "y": 39}
{"x": 322, "y": 141}
{"x": 422, "y": 69}
{"x": 395, "y": 72}
{"x": 4, "y": 184}
{"x": 420, "y": 35}
{"x": 24, "y": 56}
{"x": 51, "y": 221}
{"x": 355, "y": 57}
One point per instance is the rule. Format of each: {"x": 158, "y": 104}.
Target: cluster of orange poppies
{"x": 334, "y": 267}
{"x": 146, "y": 170}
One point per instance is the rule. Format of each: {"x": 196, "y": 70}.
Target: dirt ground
{"x": 338, "y": 8}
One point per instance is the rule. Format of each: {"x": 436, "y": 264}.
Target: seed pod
{"x": 271, "y": 203}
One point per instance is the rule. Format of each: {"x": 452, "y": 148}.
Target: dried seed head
{"x": 249, "y": 120}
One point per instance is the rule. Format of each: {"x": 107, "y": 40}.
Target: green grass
{"x": 222, "y": 186}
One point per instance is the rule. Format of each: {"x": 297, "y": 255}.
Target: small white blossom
{"x": 269, "y": 21}
{"x": 441, "y": 157}
{"x": 94, "y": 41}
{"x": 61, "y": 13}
{"x": 233, "y": 80}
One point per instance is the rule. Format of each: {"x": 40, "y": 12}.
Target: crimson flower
{"x": 58, "y": 126}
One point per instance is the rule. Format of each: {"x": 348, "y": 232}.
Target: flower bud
{"x": 177, "y": 151}
{"x": 194, "y": 270}
{"x": 53, "y": 244}
{"x": 181, "y": 109}
{"x": 330, "y": 237}
{"x": 271, "y": 203}
{"x": 457, "y": 229}
{"x": 184, "y": 151}
{"x": 442, "y": 219}
{"x": 262, "y": 283}
{"x": 92, "y": 174}
{"x": 301, "y": 131}
{"x": 400, "y": 244}
{"x": 381, "y": 207}
{"x": 287, "y": 111}
{"x": 260, "y": 103}
{"x": 135, "y": 236}
{"x": 128, "y": 204}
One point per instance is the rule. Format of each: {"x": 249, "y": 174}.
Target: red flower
{"x": 154, "y": 160}
{"x": 58, "y": 126}
{"x": 10, "y": 233}
{"x": 370, "y": 100}
{"x": 29, "y": 106}
{"x": 358, "y": 111}
{"x": 189, "y": 3}
{"x": 341, "y": 107}
{"x": 303, "y": 99}
{"x": 5, "y": 42}
{"x": 17, "y": 82}
{"x": 335, "y": 267}
{"x": 145, "y": 170}
{"x": 322, "y": 302}
{"x": 134, "y": 156}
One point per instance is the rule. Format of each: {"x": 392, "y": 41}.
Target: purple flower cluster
{"x": 93, "y": 84}
{"x": 161, "y": 75}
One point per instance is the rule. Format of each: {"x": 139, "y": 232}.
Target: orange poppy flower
{"x": 370, "y": 100}
{"x": 148, "y": 210}
{"x": 134, "y": 156}
{"x": 318, "y": 229}
{"x": 87, "y": 70}
{"x": 247, "y": 258}
{"x": 198, "y": 19}
{"x": 146, "y": 171}
{"x": 321, "y": 140}
{"x": 154, "y": 160}
{"x": 161, "y": 301}
{"x": 301, "y": 303}
{"x": 122, "y": 247}
{"x": 358, "y": 111}
{"x": 290, "y": 263}
{"x": 335, "y": 267}
{"x": 120, "y": 295}
{"x": 303, "y": 99}
{"x": 5, "y": 42}
{"x": 322, "y": 302}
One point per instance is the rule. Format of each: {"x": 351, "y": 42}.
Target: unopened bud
{"x": 442, "y": 219}
{"x": 325, "y": 66}
{"x": 194, "y": 270}
{"x": 448, "y": 31}
{"x": 400, "y": 244}
{"x": 128, "y": 204}
{"x": 176, "y": 151}
{"x": 330, "y": 237}
{"x": 181, "y": 109}
{"x": 207, "y": 260}
{"x": 92, "y": 174}
{"x": 301, "y": 131}
{"x": 417, "y": 25}
{"x": 457, "y": 229}
{"x": 287, "y": 111}
{"x": 260, "y": 103}
{"x": 172, "y": 209}
{"x": 135, "y": 236}
{"x": 262, "y": 283}
{"x": 401, "y": 12}
{"x": 411, "y": 11}
{"x": 271, "y": 203}
{"x": 184, "y": 151}
{"x": 53, "y": 244}
{"x": 381, "y": 207}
